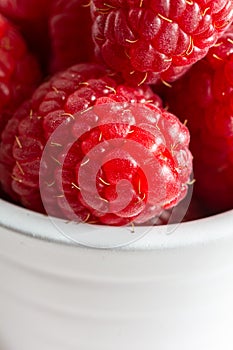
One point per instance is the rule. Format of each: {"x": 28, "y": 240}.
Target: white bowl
{"x": 167, "y": 289}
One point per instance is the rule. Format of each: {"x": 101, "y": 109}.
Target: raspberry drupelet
{"x": 204, "y": 97}
{"x": 148, "y": 40}
{"x": 95, "y": 150}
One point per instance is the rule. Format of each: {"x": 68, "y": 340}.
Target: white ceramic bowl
{"x": 166, "y": 290}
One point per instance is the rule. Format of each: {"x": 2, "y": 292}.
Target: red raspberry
{"x": 57, "y": 31}
{"x": 24, "y": 9}
{"x": 148, "y": 40}
{"x": 204, "y": 97}
{"x": 31, "y": 17}
{"x": 110, "y": 132}
{"x": 70, "y": 33}
{"x": 19, "y": 72}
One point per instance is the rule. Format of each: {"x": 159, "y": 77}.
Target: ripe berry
{"x": 204, "y": 97}
{"x": 57, "y": 31}
{"x": 70, "y": 33}
{"x": 31, "y": 18}
{"x": 19, "y": 71}
{"x": 24, "y": 9}
{"x": 148, "y": 40}
{"x": 109, "y": 153}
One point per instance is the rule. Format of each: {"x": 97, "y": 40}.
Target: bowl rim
{"x": 186, "y": 234}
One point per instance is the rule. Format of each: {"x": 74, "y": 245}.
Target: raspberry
{"x": 24, "y": 9}
{"x": 70, "y": 33}
{"x": 148, "y": 40}
{"x": 58, "y": 32}
{"x": 31, "y": 17}
{"x": 19, "y": 72}
{"x": 208, "y": 108}
{"x": 118, "y": 156}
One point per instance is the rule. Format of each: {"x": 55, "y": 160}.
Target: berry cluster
{"x": 94, "y": 142}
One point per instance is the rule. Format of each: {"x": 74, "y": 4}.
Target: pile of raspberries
{"x": 114, "y": 111}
